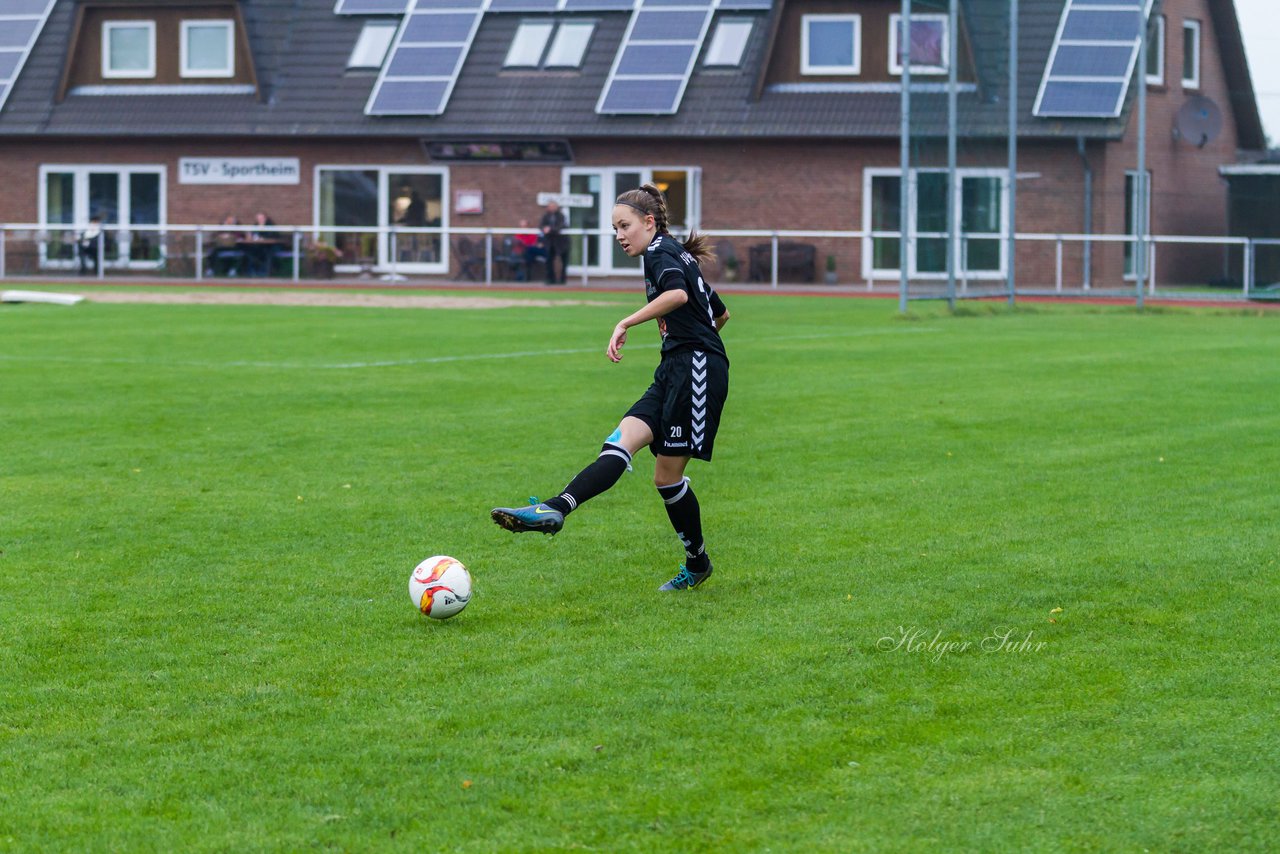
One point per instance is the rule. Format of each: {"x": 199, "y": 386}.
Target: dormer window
{"x": 570, "y": 44}
{"x": 728, "y": 43}
{"x": 831, "y": 44}
{"x": 929, "y": 45}
{"x": 529, "y": 48}
{"x": 208, "y": 49}
{"x": 128, "y": 49}
{"x": 529, "y": 44}
{"x": 372, "y": 46}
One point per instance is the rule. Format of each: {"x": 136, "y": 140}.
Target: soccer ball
{"x": 440, "y": 587}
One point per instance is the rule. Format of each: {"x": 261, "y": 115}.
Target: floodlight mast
{"x": 1012, "y": 260}
{"x": 1141, "y": 200}
{"x": 953, "y": 190}
{"x": 904, "y": 195}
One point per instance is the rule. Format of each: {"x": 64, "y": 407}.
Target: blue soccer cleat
{"x": 686, "y": 579}
{"x": 536, "y": 517}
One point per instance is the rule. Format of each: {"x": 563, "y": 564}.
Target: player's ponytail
{"x": 649, "y": 200}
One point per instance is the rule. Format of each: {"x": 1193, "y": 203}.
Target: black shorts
{"x": 683, "y": 405}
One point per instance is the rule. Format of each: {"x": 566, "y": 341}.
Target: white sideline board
{"x": 40, "y": 296}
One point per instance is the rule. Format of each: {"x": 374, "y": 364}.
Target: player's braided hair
{"x": 649, "y": 200}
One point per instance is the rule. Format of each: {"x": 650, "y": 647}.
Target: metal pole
{"x": 1087, "y": 279}
{"x": 904, "y": 152}
{"x": 2, "y": 239}
{"x": 488, "y": 257}
{"x": 586, "y": 245}
{"x": 1057, "y": 267}
{"x": 395, "y": 253}
{"x": 773, "y": 261}
{"x": 1250, "y": 259}
{"x": 297, "y": 255}
{"x": 102, "y": 253}
{"x": 954, "y": 192}
{"x": 1140, "y": 213}
{"x": 1013, "y": 150}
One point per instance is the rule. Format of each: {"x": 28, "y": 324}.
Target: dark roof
{"x": 300, "y": 49}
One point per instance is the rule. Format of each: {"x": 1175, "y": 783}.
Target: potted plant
{"x": 831, "y": 270}
{"x": 731, "y": 269}
{"x": 323, "y": 258}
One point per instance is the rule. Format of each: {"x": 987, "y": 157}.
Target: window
{"x": 529, "y": 44}
{"x": 929, "y": 44}
{"x": 1191, "y": 54}
{"x": 372, "y": 197}
{"x": 129, "y": 201}
{"x": 567, "y": 49}
{"x": 372, "y": 46}
{"x": 976, "y": 203}
{"x": 728, "y": 43}
{"x": 208, "y": 49}
{"x": 129, "y": 49}
{"x": 570, "y": 44}
{"x": 1155, "y": 52}
{"x": 831, "y": 44}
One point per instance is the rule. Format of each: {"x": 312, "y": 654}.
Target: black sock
{"x": 686, "y": 518}
{"x": 594, "y": 479}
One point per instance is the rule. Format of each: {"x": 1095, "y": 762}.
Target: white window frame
{"x": 525, "y": 31}
{"x": 1192, "y": 82}
{"x": 895, "y": 67}
{"x": 373, "y": 35}
{"x": 123, "y": 229}
{"x": 728, "y": 43}
{"x": 608, "y": 176}
{"x": 564, "y": 52}
{"x": 384, "y": 261}
{"x": 112, "y": 74}
{"x": 908, "y": 198}
{"x": 1155, "y": 48}
{"x": 184, "y": 52}
{"x": 806, "y": 67}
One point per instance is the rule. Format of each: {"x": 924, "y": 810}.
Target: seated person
{"x": 225, "y": 257}
{"x": 258, "y": 257}
{"x": 87, "y": 245}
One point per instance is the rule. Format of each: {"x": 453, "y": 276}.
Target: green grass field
{"x": 991, "y": 581}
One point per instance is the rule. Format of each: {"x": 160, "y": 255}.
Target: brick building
{"x": 753, "y": 114}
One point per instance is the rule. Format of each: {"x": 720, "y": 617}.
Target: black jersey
{"x": 668, "y": 266}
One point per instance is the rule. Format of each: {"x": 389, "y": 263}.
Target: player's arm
{"x": 720, "y": 311}
{"x": 665, "y": 303}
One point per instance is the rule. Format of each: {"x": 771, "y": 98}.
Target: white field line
{"x": 426, "y": 360}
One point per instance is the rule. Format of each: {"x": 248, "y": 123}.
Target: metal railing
{"x": 1080, "y": 263}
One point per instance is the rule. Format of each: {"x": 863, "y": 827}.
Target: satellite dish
{"x": 1199, "y": 121}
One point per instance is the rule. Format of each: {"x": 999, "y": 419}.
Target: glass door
{"x": 604, "y": 256}
{"x": 414, "y": 200}
{"x": 128, "y": 202}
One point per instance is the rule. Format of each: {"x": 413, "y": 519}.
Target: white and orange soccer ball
{"x": 440, "y": 587}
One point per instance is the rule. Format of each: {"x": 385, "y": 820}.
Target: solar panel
{"x": 425, "y": 58}
{"x": 1093, "y": 58}
{"x": 523, "y": 5}
{"x": 657, "y": 56}
{"x": 649, "y": 75}
{"x": 398, "y": 7}
{"x": 371, "y": 7}
{"x": 20, "y": 24}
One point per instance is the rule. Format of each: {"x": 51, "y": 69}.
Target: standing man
{"x": 557, "y": 242}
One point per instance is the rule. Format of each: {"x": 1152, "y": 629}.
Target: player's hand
{"x": 616, "y": 341}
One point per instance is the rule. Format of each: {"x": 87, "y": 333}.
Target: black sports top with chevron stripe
{"x": 667, "y": 266}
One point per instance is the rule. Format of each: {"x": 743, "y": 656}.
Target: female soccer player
{"x": 679, "y": 414}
